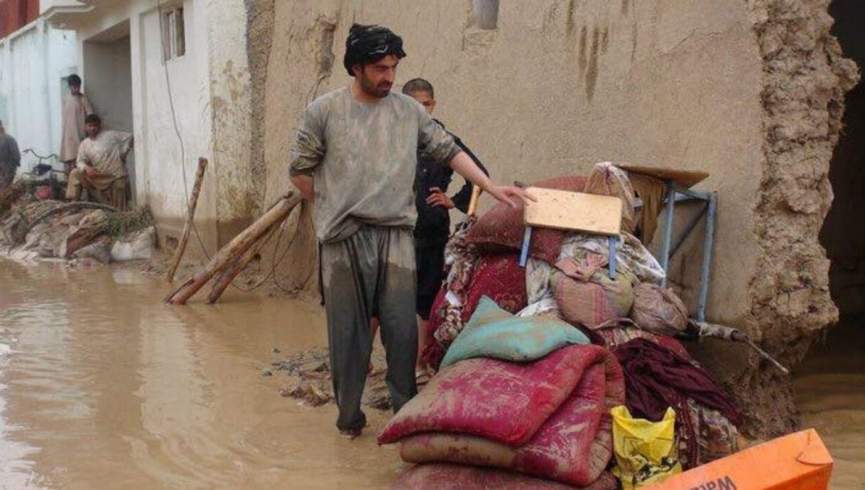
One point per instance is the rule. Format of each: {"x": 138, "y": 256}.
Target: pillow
{"x": 597, "y": 301}
{"x": 502, "y": 227}
{"x": 495, "y": 333}
{"x": 499, "y": 277}
{"x": 659, "y": 310}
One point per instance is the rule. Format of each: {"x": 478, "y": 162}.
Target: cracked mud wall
{"x": 805, "y": 78}
{"x": 750, "y": 91}
{"x": 259, "y": 39}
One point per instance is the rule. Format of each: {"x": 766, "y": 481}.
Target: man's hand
{"x": 510, "y": 194}
{"x": 90, "y": 171}
{"x": 305, "y": 186}
{"x": 437, "y": 198}
{"x": 465, "y": 166}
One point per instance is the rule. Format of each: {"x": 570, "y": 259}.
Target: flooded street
{"x": 830, "y": 394}
{"x": 103, "y": 386}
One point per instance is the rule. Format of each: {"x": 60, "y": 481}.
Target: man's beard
{"x": 381, "y": 90}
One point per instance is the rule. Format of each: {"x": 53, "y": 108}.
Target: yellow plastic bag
{"x": 645, "y": 451}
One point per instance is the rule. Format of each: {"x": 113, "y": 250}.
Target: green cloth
{"x": 495, "y": 333}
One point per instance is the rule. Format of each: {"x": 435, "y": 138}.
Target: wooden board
{"x": 564, "y": 210}
{"x": 685, "y": 178}
{"x": 796, "y": 461}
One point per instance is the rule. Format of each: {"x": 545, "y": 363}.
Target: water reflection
{"x": 104, "y": 386}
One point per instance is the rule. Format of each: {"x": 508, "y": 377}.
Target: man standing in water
{"x": 355, "y": 158}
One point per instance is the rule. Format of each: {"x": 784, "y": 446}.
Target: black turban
{"x": 368, "y": 44}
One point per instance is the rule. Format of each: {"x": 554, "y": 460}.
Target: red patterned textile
{"x": 499, "y": 277}
{"x": 547, "y": 418}
{"x": 446, "y": 476}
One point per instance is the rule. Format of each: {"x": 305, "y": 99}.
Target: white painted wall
{"x": 175, "y": 93}
{"x": 165, "y": 154}
{"x": 208, "y": 86}
{"x": 33, "y": 61}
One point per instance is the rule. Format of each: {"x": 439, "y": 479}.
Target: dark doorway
{"x": 108, "y": 84}
{"x": 843, "y": 233}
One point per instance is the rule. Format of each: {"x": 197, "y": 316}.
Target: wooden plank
{"x": 190, "y": 215}
{"x": 685, "y": 178}
{"x": 564, "y": 210}
{"x": 235, "y": 248}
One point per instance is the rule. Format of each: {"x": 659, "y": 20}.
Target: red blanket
{"x": 549, "y": 418}
{"x": 456, "y": 477}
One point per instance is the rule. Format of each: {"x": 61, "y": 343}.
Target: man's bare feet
{"x": 351, "y": 434}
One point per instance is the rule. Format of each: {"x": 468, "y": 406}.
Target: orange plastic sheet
{"x": 798, "y": 461}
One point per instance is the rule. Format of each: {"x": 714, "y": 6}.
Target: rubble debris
{"x": 311, "y": 384}
{"x": 138, "y": 245}
{"x": 50, "y": 229}
{"x": 310, "y": 393}
{"x": 10, "y": 195}
{"x": 100, "y": 251}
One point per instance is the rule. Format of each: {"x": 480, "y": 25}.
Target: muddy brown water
{"x": 830, "y": 394}
{"x": 103, "y": 386}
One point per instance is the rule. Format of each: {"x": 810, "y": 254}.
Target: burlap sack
{"x": 658, "y": 310}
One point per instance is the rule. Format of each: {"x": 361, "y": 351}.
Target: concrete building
{"x": 174, "y": 74}
{"x": 35, "y": 59}
{"x": 751, "y": 91}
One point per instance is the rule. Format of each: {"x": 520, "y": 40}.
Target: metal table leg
{"x": 527, "y": 243}
{"x": 708, "y": 244}
{"x": 668, "y": 229}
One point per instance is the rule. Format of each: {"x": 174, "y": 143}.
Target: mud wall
{"x": 557, "y": 86}
{"x": 259, "y": 39}
{"x": 805, "y": 78}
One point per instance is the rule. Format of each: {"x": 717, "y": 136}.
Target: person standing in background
{"x": 10, "y": 158}
{"x": 76, "y": 107}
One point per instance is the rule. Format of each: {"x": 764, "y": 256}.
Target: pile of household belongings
{"x": 32, "y": 228}
{"x": 533, "y": 361}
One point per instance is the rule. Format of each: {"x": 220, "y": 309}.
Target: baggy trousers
{"x": 371, "y": 273}
{"x": 103, "y": 188}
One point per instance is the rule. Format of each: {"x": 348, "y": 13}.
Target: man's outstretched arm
{"x": 465, "y": 166}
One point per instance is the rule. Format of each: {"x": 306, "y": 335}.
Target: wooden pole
{"x": 473, "y": 202}
{"x": 223, "y": 280}
{"x": 190, "y": 214}
{"x": 236, "y": 248}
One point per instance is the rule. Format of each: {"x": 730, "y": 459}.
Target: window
{"x": 173, "y": 34}
{"x": 485, "y": 13}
